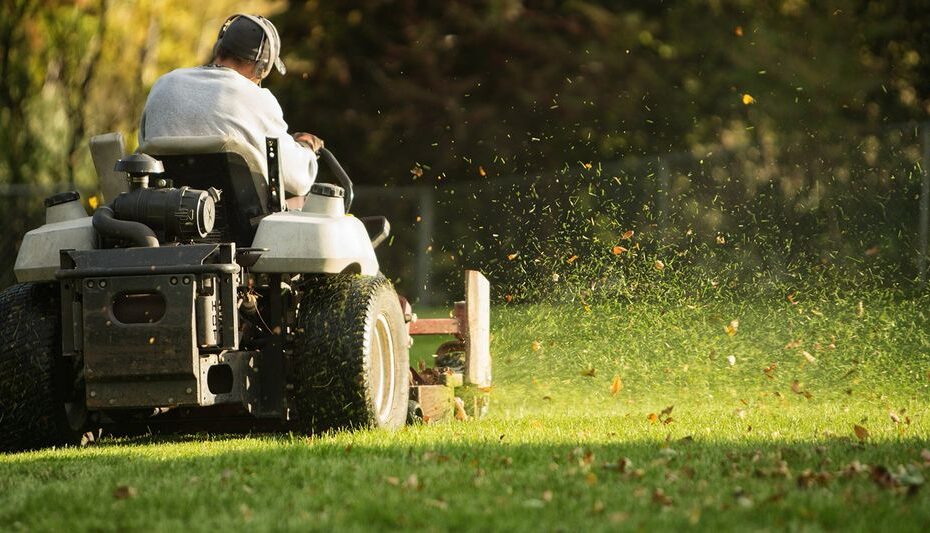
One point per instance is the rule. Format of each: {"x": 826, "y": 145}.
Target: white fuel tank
{"x": 314, "y": 242}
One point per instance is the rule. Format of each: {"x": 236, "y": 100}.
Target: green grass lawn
{"x": 758, "y": 433}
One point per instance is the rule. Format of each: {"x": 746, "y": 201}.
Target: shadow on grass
{"x": 454, "y": 477}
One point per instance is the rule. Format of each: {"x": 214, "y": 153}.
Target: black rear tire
{"x": 33, "y": 413}
{"x": 351, "y": 355}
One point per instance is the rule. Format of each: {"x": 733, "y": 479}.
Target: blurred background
{"x": 568, "y": 148}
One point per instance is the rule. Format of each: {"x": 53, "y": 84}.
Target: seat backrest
{"x": 106, "y": 150}
{"x": 226, "y": 163}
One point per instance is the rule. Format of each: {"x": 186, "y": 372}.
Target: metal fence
{"x": 866, "y": 201}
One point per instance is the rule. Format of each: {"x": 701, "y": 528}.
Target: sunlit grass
{"x": 749, "y": 444}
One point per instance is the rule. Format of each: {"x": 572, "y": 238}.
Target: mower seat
{"x": 229, "y": 164}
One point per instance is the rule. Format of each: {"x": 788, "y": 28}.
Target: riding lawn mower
{"x": 200, "y": 296}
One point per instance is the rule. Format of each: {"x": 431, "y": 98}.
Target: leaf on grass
{"x": 659, "y": 497}
{"x": 861, "y": 433}
{"x": 571, "y": 259}
{"x": 769, "y": 371}
{"x": 125, "y": 492}
{"x": 511, "y": 257}
{"x": 246, "y": 512}
{"x": 668, "y": 410}
{"x": 808, "y": 357}
{"x": 439, "y": 504}
{"x": 796, "y": 388}
{"x": 894, "y": 417}
{"x": 481, "y": 171}
{"x": 731, "y": 360}
{"x": 412, "y": 482}
{"x": 748, "y": 99}
{"x": 659, "y": 265}
{"x": 391, "y": 480}
{"x": 508, "y": 298}
{"x": 536, "y": 346}
{"x": 853, "y": 468}
{"x": 589, "y": 372}
{"x": 882, "y": 477}
{"x": 627, "y": 235}
{"x": 617, "y": 250}
{"x": 652, "y": 417}
{"x": 732, "y": 327}
{"x": 616, "y": 385}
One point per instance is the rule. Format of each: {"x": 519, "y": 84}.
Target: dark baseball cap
{"x": 253, "y": 38}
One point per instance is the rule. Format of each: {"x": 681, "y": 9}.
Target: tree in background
{"x": 71, "y": 69}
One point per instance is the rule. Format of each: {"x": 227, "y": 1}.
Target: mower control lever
{"x": 340, "y": 173}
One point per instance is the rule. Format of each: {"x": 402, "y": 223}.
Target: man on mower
{"x": 225, "y": 97}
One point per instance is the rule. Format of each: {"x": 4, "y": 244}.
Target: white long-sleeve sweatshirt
{"x": 213, "y": 100}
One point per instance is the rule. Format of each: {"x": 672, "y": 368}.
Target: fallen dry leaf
{"x": 808, "y": 357}
{"x": 796, "y": 388}
{"x": 732, "y": 327}
{"x": 652, "y": 417}
{"x": 481, "y": 171}
{"x": 536, "y": 346}
{"x": 769, "y": 371}
{"x": 412, "y": 482}
{"x": 571, "y": 259}
{"x": 627, "y": 235}
{"x": 659, "y": 265}
{"x": 511, "y": 257}
{"x": 731, "y": 360}
{"x": 659, "y": 497}
{"x": 861, "y": 433}
{"x": 124, "y": 492}
{"x": 617, "y": 250}
{"x": 748, "y": 99}
{"x": 616, "y": 385}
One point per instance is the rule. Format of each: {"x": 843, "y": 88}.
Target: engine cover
{"x": 176, "y": 214}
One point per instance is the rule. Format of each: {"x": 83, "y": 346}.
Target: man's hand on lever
{"x": 309, "y": 140}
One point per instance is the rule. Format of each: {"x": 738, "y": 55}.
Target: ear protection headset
{"x": 270, "y": 39}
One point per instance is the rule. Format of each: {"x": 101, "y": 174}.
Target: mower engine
{"x": 170, "y": 214}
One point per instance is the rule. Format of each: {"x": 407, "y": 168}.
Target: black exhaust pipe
{"x": 106, "y": 223}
